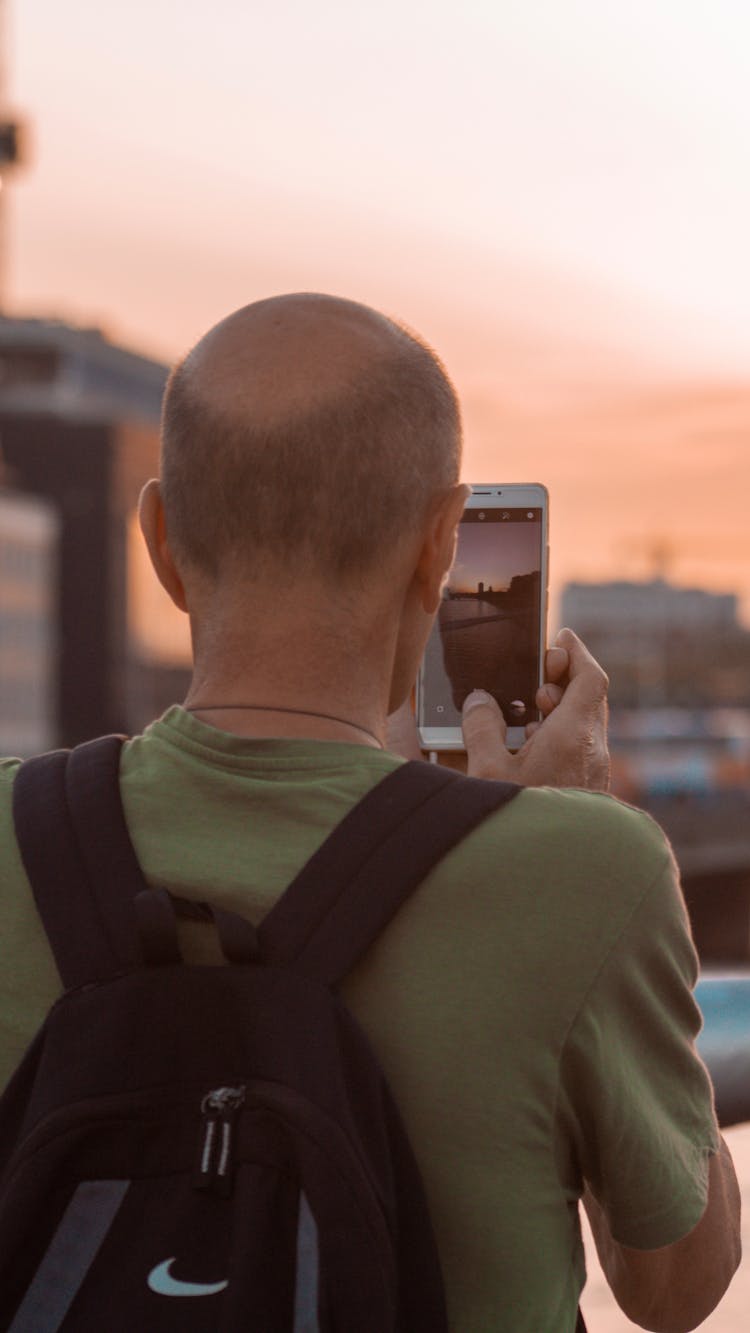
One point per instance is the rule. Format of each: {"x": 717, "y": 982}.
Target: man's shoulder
{"x": 577, "y": 856}
{"x": 594, "y": 823}
{"x": 8, "y": 771}
{"x": 14, "y": 888}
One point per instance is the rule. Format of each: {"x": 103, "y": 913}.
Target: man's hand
{"x": 568, "y": 748}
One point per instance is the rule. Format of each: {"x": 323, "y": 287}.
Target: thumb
{"x": 484, "y": 736}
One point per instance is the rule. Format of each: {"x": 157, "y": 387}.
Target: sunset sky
{"x": 495, "y": 556}
{"x": 555, "y": 193}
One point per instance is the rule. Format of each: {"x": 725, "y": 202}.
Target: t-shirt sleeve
{"x": 636, "y": 1097}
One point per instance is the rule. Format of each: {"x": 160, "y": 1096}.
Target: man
{"x": 530, "y": 1003}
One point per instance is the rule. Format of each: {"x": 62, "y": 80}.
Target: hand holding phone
{"x": 490, "y": 629}
{"x": 569, "y": 747}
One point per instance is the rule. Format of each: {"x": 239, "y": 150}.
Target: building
{"x": 621, "y": 608}
{"x": 662, "y": 644}
{"x": 29, "y": 530}
{"x": 79, "y": 430}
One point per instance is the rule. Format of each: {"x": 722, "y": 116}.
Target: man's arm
{"x": 673, "y": 1289}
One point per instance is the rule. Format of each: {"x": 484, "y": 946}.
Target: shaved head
{"x": 304, "y": 431}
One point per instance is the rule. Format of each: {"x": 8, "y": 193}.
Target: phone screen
{"x": 487, "y": 632}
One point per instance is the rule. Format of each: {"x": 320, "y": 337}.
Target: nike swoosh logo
{"x": 161, "y": 1281}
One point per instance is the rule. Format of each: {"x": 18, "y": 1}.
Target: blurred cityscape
{"x": 78, "y": 437}
{"x": 87, "y": 647}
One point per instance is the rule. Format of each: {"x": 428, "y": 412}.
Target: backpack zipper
{"x": 219, "y": 1110}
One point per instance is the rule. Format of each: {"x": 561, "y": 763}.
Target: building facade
{"x": 79, "y": 423}
{"x": 29, "y": 533}
{"x": 663, "y": 645}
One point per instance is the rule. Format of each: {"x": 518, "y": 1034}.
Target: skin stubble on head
{"x": 301, "y": 600}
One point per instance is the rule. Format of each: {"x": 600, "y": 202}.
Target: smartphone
{"x": 490, "y": 630}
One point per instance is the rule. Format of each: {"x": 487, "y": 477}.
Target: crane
{"x": 11, "y": 144}
{"x": 663, "y": 552}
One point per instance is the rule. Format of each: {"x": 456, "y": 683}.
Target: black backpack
{"x": 214, "y": 1148}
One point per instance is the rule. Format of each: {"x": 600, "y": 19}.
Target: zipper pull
{"x": 218, "y": 1109}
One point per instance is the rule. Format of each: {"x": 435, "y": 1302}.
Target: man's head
{"x": 304, "y": 433}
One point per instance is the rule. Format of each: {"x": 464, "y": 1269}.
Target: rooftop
{"x": 50, "y": 367}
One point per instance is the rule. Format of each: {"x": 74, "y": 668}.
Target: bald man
{"x": 531, "y": 1003}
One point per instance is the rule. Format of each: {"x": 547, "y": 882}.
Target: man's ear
{"x": 154, "y": 529}
{"x": 439, "y": 545}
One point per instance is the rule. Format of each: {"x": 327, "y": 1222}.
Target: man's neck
{"x": 294, "y": 661}
{"x": 293, "y": 684}
{"x": 270, "y": 720}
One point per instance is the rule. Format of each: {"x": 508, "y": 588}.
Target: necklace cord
{"x": 271, "y": 708}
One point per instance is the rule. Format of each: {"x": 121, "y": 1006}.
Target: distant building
{"x": 29, "y": 531}
{"x": 662, "y": 644}
{"x": 51, "y": 368}
{"x": 690, "y": 768}
{"x": 79, "y": 429}
{"x": 626, "y": 607}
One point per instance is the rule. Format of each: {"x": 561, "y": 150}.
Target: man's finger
{"x": 484, "y": 736}
{"x": 556, "y": 663}
{"x": 548, "y": 697}
{"x": 586, "y": 676}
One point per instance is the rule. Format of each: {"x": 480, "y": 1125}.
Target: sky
{"x": 494, "y": 554}
{"x": 555, "y": 193}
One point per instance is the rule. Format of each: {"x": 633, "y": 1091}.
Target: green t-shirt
{"x": 530, "y": 1004}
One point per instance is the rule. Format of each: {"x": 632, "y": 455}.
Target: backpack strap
{"x": 78, "y": 856}
{"x": 87, "y": 882}
{"x": 356, "y": 881}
